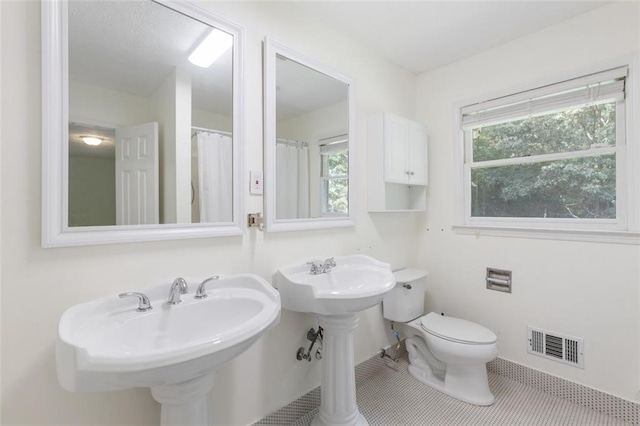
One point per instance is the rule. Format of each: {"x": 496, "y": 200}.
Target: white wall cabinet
{"x": 405, "y": 151}
{"x": 397, "y": 167}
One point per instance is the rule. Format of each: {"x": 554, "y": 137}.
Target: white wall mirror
{"x": 309, "y": 142}
{"x": 142, "y": 122}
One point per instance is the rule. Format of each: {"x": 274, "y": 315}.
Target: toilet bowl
{"x": 449, "y": 354}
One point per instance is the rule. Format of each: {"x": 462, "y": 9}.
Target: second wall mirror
{"x": 309, "y": 142}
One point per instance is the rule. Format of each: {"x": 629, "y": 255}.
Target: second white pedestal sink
{"x": 107, "y": 344}
{"x": 355, "y": 283}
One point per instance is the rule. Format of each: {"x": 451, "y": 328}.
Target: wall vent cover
{"x": 558, "y": 347}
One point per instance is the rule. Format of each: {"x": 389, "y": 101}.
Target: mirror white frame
{"x": 272, "y": 224}
{"x": 55, "y": 122}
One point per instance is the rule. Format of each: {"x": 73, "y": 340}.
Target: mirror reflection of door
{"x": 312, "y": 116}
{"x": 175, "y": 71}
{"x": 113, "y": 175}
{"x": 137, "y": 175}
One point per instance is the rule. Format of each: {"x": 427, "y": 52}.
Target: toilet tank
{"x": 406, "y": 301}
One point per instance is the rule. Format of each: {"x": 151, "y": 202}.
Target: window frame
{"x": 340, "y": 144}
{"x": 623, "y": 229}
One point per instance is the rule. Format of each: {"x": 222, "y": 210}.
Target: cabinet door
{"x": 417, "y": 159}
{"x": 396, "y": 138}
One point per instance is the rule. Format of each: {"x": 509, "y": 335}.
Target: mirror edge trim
{"x": 55, "y": 231}
{"x": 270, "y": 49}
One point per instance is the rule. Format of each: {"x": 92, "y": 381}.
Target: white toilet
{"x": 446, "y": 353}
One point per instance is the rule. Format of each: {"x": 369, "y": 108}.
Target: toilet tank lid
{"x": 457, "y": 330}
{"x": 408, "y": 275}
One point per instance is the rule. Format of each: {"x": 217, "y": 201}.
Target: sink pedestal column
{"x": 185, "y": 403}
{"x": 338, "y": 387}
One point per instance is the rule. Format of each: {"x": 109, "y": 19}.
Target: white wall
{"x": 211, "y": 120}
{"x": 587, "y": 290}
{"x": 39, "y": 284}
{"x": 90, "y": 104}
{"x": 164, "y": 108}
{"x": 324, "y": 122}
{"x": 182, "y": 146}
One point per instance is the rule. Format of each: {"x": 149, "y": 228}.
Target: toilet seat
{"x": 457, "y": 330}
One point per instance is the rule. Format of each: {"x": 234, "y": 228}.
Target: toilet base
{"x": 463, "y": 382}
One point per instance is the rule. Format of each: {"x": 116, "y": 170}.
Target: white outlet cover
{"x": 255, "y": 177}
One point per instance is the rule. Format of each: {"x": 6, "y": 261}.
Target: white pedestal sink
{"x": 175, "y": 350}
{"x": 356, "y": 283}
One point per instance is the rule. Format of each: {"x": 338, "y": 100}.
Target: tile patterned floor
{"x": 391, "y": 397}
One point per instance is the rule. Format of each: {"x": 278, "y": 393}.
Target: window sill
{"x": 596, "y": 236}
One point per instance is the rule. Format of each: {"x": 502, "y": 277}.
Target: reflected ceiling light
{"x": 91, "y": 140}
{"x": 211, "y": 48}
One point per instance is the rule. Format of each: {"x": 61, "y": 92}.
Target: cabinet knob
{"x": 411, "y": 173}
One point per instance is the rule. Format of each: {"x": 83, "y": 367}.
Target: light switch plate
{"x": 255, "y": 176}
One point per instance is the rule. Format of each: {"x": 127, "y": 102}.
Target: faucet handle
{"x": 201, "y": 292}
{"x": 315, "y": 268}
{"x": 143, "y": 301}
{"x": 330, "y": 262}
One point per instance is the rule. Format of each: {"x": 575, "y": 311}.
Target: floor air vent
{"x": 551, "y": 345}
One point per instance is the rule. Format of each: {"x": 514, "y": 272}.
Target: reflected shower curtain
{"x": 292, "y": 181}
{"x": 215, "y": 179}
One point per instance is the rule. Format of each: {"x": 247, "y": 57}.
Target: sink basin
{"x": 107, "y": 344}
{"x": 356, "y": 283}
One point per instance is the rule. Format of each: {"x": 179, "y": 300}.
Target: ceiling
{"x": 133, "y": 46}
{"x": 77, "y": 148}
{"x": 300, "y": 89}
{"x": 422, "y": 35}
{"x": 118, "y": 44}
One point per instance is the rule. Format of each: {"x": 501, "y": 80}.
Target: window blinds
{"x": 606, "y": 86}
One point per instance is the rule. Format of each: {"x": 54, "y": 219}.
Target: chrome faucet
{"x": 143, "y": 301}
{"x": 201, "y": 292}
{"x": 326, "y": 266}
{"x": 178, "y": 287}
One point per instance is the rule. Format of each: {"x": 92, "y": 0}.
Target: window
{"x": 334, "y": 177}
{"x": 549, "y": 158}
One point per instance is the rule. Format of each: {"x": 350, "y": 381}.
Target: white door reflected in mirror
{"x": 137, "y": 175}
